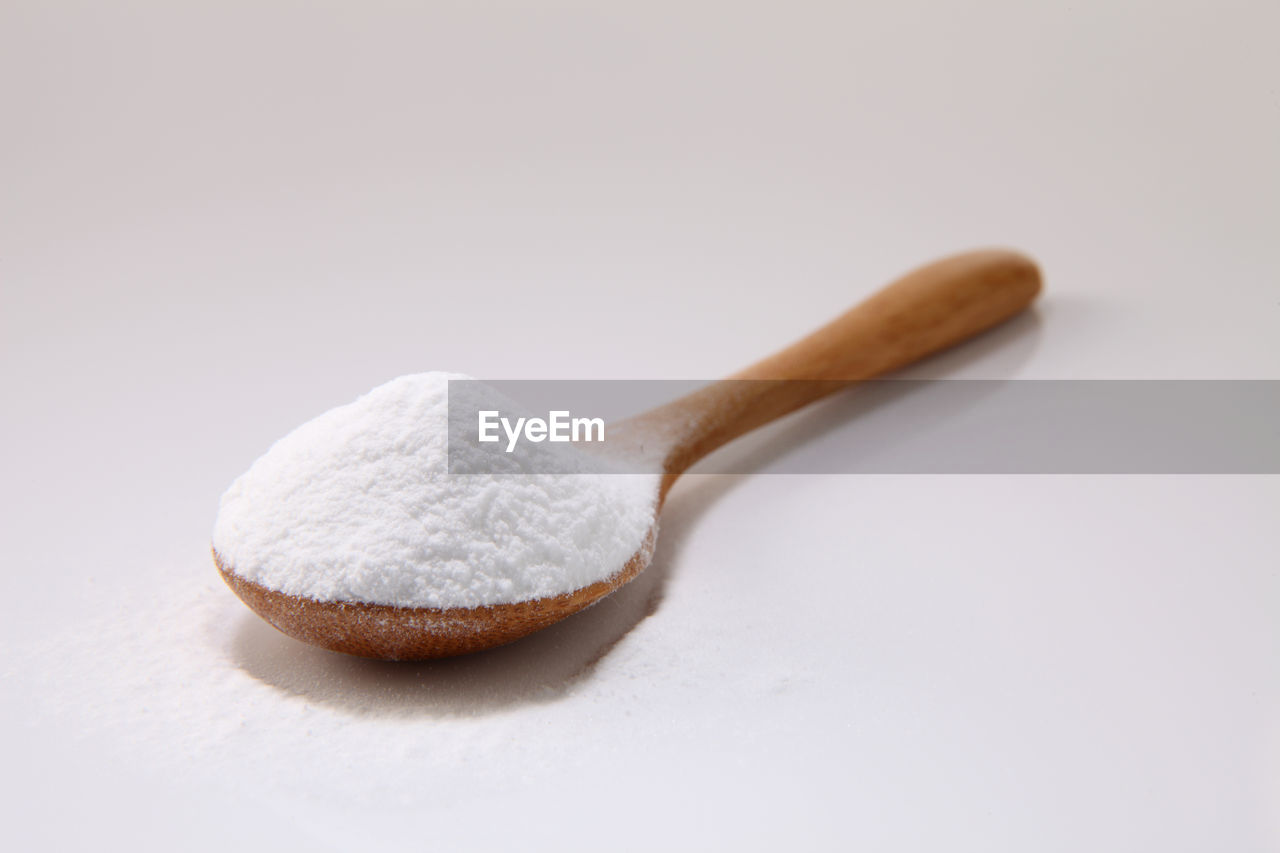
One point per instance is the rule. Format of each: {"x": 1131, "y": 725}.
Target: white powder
{"x": 358, "y": 505}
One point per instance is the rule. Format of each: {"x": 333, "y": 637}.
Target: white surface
{"x": 217, "y": 220}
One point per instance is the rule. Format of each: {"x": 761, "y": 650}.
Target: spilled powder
{"x": 359, "y": 505}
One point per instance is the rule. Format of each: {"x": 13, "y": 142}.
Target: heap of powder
{"x": 359, "y": 505}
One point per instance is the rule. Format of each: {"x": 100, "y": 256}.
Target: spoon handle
{"x": 929, "y": 309}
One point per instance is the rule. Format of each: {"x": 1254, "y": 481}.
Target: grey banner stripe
{"x": 898, "y": 426}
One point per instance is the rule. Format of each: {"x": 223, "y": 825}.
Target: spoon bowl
{"x": 387, "y": 632}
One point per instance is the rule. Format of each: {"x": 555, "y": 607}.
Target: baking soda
{"x": 359, "y": 505}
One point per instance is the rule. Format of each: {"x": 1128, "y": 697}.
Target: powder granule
{"x": 358, "y": 505}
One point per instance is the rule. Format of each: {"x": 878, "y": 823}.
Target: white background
{"x": 219, "y": 219}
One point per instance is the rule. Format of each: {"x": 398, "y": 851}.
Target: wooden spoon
{"x": 927, "y": 310}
